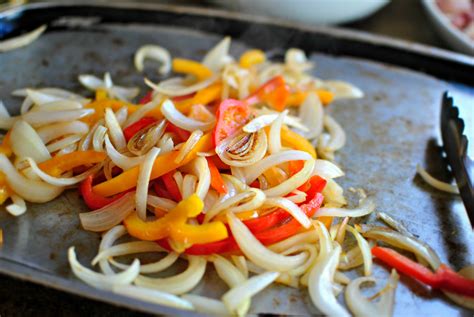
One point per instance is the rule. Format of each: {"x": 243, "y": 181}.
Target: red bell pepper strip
{"x": 216, "y": 179}
{"x": 275, "y": 92}
{"x": 132, "y": 129}
{"x": 171, "y": 186}
{"x": 147, "y": 98}
{"x": 231, "y": 116}
{"x": 444, "y": 278}
{"x": 317, "y": 185}
{"x": 160, "y": 190}
{"x": 182, "y": 134}
{"x": 266, "y": 237}
{"x": 93, "y": 200}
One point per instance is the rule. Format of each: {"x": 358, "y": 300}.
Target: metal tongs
{"x": 455, "y": 145}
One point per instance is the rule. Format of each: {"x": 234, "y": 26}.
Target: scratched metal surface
{"x": 389, "y": 131}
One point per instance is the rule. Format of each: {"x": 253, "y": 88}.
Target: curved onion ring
{"x": 154, "y": 52}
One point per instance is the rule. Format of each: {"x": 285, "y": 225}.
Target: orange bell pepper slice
{"x": 61, "y": 164}
{"x": 216, "y": 179}
{"x": 297, "y": 98}
{"x": 5, "y": 147}
{"x": 162, "y": 165}
{"x": 186, "y": 66}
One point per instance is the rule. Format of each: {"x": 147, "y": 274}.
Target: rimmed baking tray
{"x": 389, "y": 131}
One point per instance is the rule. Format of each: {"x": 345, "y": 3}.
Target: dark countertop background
{"x": 404, "y": 19}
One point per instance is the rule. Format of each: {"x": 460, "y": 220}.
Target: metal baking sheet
{"x": 393, "y": 128}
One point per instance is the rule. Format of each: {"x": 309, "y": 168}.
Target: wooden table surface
{"x": 404, "y": 19}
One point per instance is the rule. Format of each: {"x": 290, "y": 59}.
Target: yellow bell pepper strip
{"x": 296, "y": 98}
{"x": 295, "y": 141}
{"x": 61, "y": 164}
{"x": 186, "y": 66}
{"x": 174, "y": 225}
{"x": 252, "y": 57}
{"x": 162, "y": 165}
{"x": 100, "y": 94}
{"x": 5, "y": 147}
{"x": 202, "y": 97}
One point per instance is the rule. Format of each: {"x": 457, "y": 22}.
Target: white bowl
{"x": 454, "y": 37}
{"x": 314, "y": 12}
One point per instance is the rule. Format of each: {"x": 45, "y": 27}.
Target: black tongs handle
{"x": 455, "y": 145}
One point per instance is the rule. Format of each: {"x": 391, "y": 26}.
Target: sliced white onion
{"x": 17, "y": 207}
{"x": 342, "y": 89}
{"x": 333, "y": 194}
{"x": 237, "y": 295}
{"x": 258, "y": 253}
{"x": 143, "y": 110}
{"x": 60, "y": 181}
{"x": 7, "y": 122}
{"x": 360, "y": 306}
{"x": 320, "y": 284}
{"x": 337, "y": 134}
{"x": 351, "y": 259}
{"x": 297, "y": 239}
{"x": 102, "y": 281}
{"x": 98, "y": 138}
{"x": 430, "y": 180}
{"x": 153, "y": 296}
{"x": 295, "y": 58}
{"x": 108, "y": 239}
{"x": 293, "y": 182}
{"x": 115, "y": 131}
{"x": 64, "y": 142}
{"x": 54, "y": 131}
{"x": 160, "y": 202}
{"x": 154, "y": 52}
{"x": 274, "y": 141}
{"x": 241, "y": 264}
{"x": 218, "y": 56}
{"x": 251, "y": 199}
{"x": 290, "y": 207}
{"x": 25, "y": 142}
{"x": 59, "y": 105}
{"x": 143, "y": 182}
{"x": 122, "y": 115}
{"x": 166, "y": 143}
{"x": 22, "y": 40}
{"x": 207, "y": 305}
{"x": 297, "y": 196}
{"x": 327, "y": 169}
{"x": 180, "y": 89}
{"x": 189, "y": 185}
{"x": 120, "y": 160}
{"x": 40, "y": 118}
{"x": 188, "y": 146}
{"x": 127, "y": 248}
{"x": 248, "y": 153}
{"x": 31, "y": 190}
{"x": 311, "y": 115}
{"x": 252, "y": 172}
{"x": 155, "y": 267}
{"x": 4, "y": 111}
{"x": 199, "y": 168}
{"x": 180, "y": 120}
{"x": 366, "y": 206}
{"x": 364, "y": 248}
{"x": 180, "y": 283}
{"x": 266, "y": 116}
{"x": 93, "y": 83}
{"x": 26, "y": 105}
{"x": 52, "y": 91}
{"x": 406, "y": 243}
{"x": 108, "y": 216}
